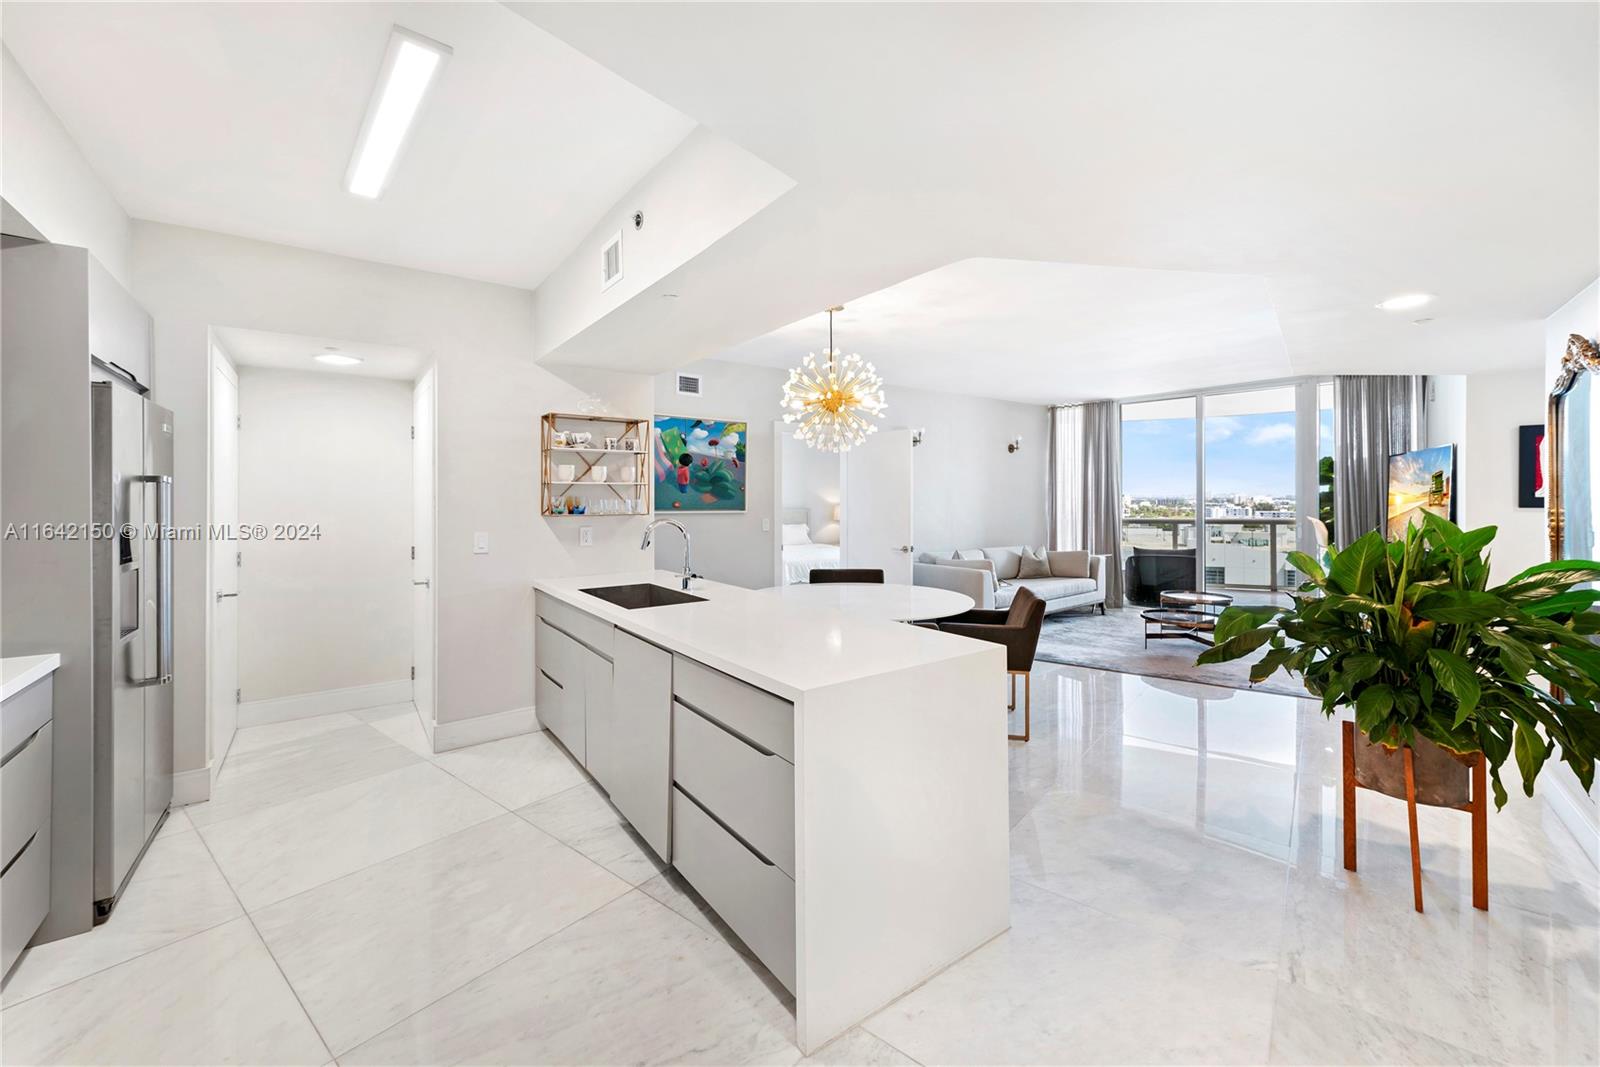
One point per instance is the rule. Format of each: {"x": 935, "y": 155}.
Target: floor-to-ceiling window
{"x": 1229, "y": 476}
{"x": 1159, "y": 452}
{"x": 1249, "y": 474}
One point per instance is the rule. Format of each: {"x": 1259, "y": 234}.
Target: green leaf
{"x": 1460, "y": 606}
{"x": 1546, "y": 577}
{"x": 1360, "y": 666}
{"x": 1235, "y": 647}
{"x": 1241, "y": 619}
{"x": 1458, "y": 679}
{"x": 1354, "y": 568}
{"x": 1531, "y": 754}
{"x": 1568, "y": 603}
{"x": 1307, "y": 566}
{"x": 1471, "y": 542}
{"x": 1263, "y": 668}
{"x": 1372, "y": 706}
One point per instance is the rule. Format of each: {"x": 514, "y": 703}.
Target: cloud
{"x": 1273, "y": 434}
{"x": 1221, "y": 427}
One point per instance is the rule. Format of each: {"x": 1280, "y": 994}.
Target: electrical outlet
{"x": 586, "y": 535}
{"x": 480, "y": 544}
{"x": 766, "y": 525}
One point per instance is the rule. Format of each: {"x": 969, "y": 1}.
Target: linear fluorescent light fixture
{"x": 409, "y": 68}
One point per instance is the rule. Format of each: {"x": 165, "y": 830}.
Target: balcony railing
{"x": 1241, "y": 553}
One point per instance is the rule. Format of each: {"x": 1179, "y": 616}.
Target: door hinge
{"x": 413, "y": 674}
{"x": 238, "y": 559}
{"x": 413, "y": 551}
{"x": 238, "y": 422}
{"x": 237, "y": 694}
{"x": 413, "y": 433}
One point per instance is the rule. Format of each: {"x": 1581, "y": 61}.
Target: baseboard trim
{"x": 481, "y": 728}
{"x": 324, "y": 702}
{"x": 1576, "y": 812}
{"x": 191, "y": 787}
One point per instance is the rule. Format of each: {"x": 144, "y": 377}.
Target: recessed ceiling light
{"x": 408, "y": 70}
{"x": 1405, "y": 302}
{"x": 335, "y": 358}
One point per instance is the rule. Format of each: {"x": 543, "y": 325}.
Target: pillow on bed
{"x": 796, "y": 533}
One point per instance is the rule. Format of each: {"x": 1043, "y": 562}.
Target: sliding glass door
{"x": 1249, "y": 478}
{"x": 1219, "y": 487}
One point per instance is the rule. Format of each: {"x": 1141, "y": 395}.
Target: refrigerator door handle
{"x": 163, "y": 675}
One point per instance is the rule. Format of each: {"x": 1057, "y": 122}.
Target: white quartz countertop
{"x": 19, "y": 672}
{"x": 785, "y": 648}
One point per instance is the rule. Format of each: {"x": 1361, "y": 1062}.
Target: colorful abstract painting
{"x": 1420, "y": 481}
{"x": 699, "y": 464}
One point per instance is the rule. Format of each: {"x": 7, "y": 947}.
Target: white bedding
{"x": 798, "y": 560}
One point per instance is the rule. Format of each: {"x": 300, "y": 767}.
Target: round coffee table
{"x": 1195, "y": 600}
{"x": 1163, "y": 623}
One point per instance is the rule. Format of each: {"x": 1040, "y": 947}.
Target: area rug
{"x": 1115, "y": 642}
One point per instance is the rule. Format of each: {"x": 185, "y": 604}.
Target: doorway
{"x": 843, "y": 510}
{"x": 322, "y": 543}
{"x": 810, "y": 509}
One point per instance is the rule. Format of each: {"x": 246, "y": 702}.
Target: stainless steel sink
{"x": 643, "y": 595}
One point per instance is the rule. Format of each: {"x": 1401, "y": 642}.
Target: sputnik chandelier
{"x": 833, "y": 401}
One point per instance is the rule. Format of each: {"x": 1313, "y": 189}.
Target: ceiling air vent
{"x": 689, "y": 384}
{"x": 611, "y": 262}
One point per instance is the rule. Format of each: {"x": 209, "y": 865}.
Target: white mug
{"x": 565, "y": 472}
{"x": 598, "y": 474}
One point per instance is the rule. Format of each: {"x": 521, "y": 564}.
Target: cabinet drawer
{"x": 757, "y": 714}
{"x": 579, "y": 624}
{"x": 24, "y": 793}
{"x": 559, "y": 686}
{"x": 754, "y": 898}
{"x": 24, "y": 897}
{"x": 25, "y": 713}
{"x": 750, "y": 790}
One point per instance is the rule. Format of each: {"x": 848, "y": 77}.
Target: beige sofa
{"x": 990, "y": 576}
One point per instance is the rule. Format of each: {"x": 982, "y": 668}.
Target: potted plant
{"x": 1412, "y": 636}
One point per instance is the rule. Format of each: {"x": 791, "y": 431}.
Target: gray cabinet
{"x": 639, "y": 745}
{"x": 559, "y": 696}
{"x": 25, "y": 781}
{"x": 599, "y": 731}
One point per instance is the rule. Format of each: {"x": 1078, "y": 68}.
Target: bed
{"x": 801, "y": 555}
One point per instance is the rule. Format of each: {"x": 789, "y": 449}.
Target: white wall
{"x": 705, "y": 188}
{"x": 811, "y": 481}
{"x": 46, "y": 178}
{"x": 490, "y": 397}
{"x": 968, "y": 490}
{"x": 334, "y": 611}
{"x": 1497, "y": 404}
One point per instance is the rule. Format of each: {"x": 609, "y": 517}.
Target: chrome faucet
{"x": 688, "y": 573}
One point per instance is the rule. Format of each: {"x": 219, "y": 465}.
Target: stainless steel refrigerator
{"x": 132, "y": 479}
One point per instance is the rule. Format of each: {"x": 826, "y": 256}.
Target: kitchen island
{"x": 835, "y": 787}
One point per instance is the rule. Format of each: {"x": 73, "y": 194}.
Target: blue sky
{"x": 1244, "y": 454}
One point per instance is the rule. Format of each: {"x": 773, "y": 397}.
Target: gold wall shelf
{"x": 632, "y": 488}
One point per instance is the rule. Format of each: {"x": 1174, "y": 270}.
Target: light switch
{"x": 586, "y": 535}
{"x": 480, "y": 543}
{"x": 766, "y": 525}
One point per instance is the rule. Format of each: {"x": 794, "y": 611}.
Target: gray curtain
{"x": 1374, "y": 417}
{"x": 1102, "y": 489}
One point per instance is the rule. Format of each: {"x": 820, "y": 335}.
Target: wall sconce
{"x": 1015, "y": 445}
{"x": 836, "y": 513}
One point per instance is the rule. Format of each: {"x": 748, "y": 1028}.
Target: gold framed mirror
{"x": 1572, "y": 432}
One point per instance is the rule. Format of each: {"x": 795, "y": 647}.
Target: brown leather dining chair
{"x": 860, "y": 575}
{"x": 1017, "y": 629}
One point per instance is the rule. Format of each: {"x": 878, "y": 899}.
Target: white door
{"x": 877, "y": 505}
{"x": 224, "y": 698}
{"x": 422, "y": 572}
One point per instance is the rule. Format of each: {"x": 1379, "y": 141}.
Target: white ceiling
{"x": 241, "y": 118}
{"x": 288, "y": 351}
{"x": 1049, "y": 332}
{"x": 1342, "y": 153}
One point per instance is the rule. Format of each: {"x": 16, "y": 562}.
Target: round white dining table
{"x": 895, "y": 603}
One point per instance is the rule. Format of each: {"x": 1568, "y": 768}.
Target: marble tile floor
{"x": 1177, "y": 896}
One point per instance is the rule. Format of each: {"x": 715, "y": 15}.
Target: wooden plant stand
{"x": 1437, "y": 794}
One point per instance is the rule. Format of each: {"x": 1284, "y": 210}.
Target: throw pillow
{"x": 1074, "y": 564}
{"x": 1033, "y": 565}
{"x": 970, "y": 553}
{"x": 796, "y": 533}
